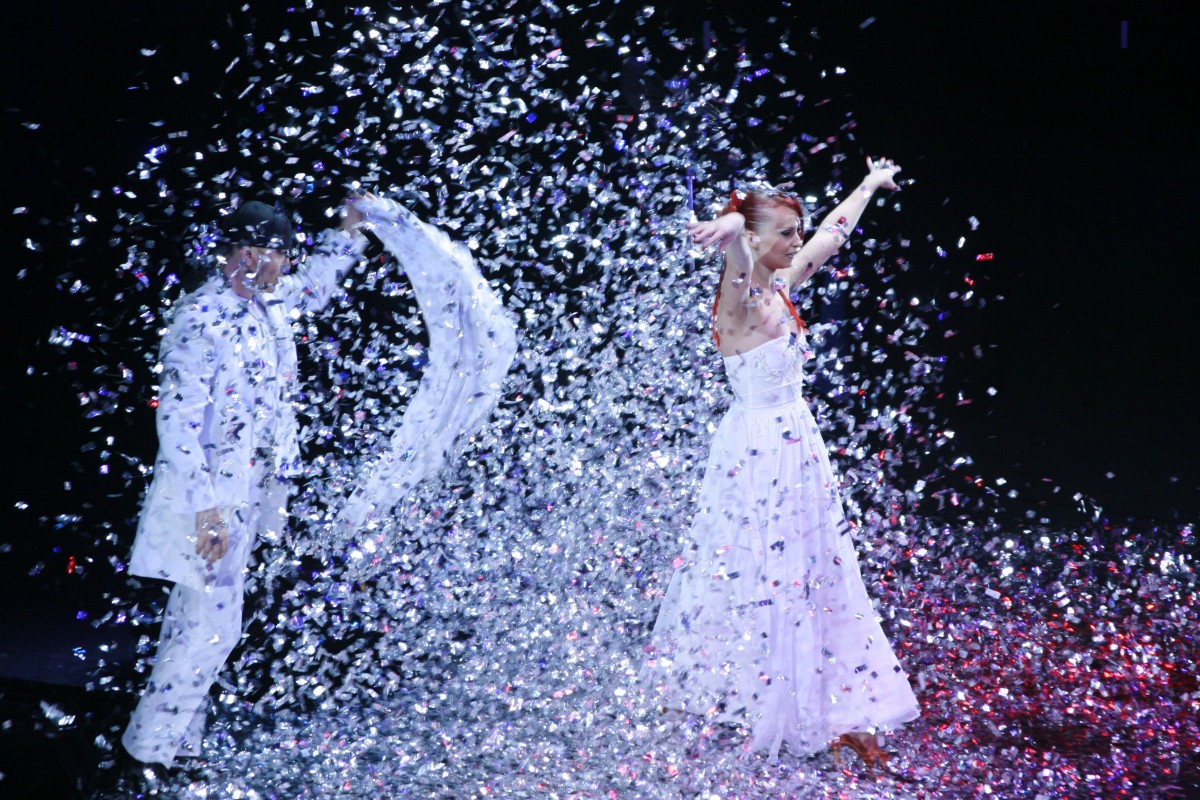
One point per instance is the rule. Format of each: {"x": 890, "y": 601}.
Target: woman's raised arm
{"x": 835, "y": 229}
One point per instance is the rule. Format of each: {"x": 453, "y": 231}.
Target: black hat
{"x": 256, "y": 224}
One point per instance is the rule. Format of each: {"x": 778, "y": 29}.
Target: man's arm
{"x": 189, "y": 358}
{"x": 311, "y": 287}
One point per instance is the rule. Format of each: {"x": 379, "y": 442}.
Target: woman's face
{"x": 779, "y": 238}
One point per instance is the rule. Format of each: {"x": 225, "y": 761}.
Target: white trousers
{"x": 199, "y": 631}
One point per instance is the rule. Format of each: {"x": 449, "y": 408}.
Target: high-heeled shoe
{"x": 867, "y": 748}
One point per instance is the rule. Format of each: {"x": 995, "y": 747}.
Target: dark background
{"x": 1061, "y": 129}
{"x": 1074, "y": 154}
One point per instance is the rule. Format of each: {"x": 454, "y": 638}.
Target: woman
{"x": 766, "y": 622}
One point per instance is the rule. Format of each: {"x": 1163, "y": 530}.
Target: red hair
{"x": 754, "y": 205}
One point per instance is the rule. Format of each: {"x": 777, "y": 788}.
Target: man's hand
{"x": 352, "y": 218}
{"x": 212, "y": 535}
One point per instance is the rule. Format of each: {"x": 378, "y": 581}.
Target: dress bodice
{"x": 769, "y": 375}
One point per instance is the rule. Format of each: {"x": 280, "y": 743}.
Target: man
{"x": 227, "y": 441}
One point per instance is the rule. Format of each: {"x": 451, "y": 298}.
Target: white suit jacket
{"x": 228, "y": 369}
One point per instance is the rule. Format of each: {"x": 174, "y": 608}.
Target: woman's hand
{"x": 720, "y": 231}
{"x": 881, "y": 175}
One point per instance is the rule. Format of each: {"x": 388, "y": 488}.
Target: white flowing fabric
{"x": 766, "y": 622}
{"x": 471, "y": 346}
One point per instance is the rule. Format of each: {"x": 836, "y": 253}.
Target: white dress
{"x": 766, "y": 622}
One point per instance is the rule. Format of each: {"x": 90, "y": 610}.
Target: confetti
{"x": 484, "y": 638}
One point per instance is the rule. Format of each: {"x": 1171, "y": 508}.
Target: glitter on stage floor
{"x": 1049, "y": 663}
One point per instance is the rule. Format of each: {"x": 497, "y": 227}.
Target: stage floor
{"x": 1051, "y": 663}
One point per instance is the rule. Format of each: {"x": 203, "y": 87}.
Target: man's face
{"x": 254, "y": 270}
